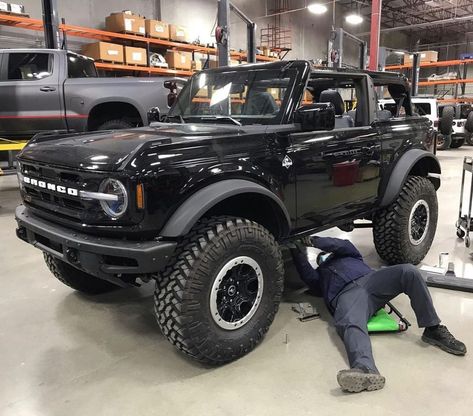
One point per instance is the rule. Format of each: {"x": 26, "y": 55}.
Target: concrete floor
{"x": 62, "y": 353}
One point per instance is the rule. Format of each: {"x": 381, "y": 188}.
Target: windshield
{"x": 253, "y": 96}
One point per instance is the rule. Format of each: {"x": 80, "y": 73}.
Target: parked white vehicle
{"x": 424, "y": 106}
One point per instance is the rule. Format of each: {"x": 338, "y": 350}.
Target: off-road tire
{"x": 182, "y": 296}
{"x": 469, "y": 138}
{"x": 469, "y": 122}
{"x": 77, "y": 279}
{"x": 117, "y": 124}
{"x": 391, "y": 224}
{"x": 445, "y": 122}
{"x": 443, "y": 142}
{"x": 456, "y": 143}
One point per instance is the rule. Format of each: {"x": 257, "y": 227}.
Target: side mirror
{"x": 154, "y": 115}
{"x": 319, "y": 116}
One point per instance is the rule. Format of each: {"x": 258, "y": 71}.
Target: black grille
{"x": 63, "y": 206}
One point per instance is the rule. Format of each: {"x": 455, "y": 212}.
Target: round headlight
{"x": 117, "y": 207}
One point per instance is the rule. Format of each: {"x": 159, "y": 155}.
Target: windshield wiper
{"x": 230, "y": 118}
{"x": 174, "y": 117}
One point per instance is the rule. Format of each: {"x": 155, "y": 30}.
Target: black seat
{"x": 259, "y": 103}
{"x": 342, "y": 119}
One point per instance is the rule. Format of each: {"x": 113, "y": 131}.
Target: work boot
{"x": 441, "y": 337}
{"x": 356, "y": 380}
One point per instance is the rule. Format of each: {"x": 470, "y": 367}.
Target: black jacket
{"x": 342, "y": 267}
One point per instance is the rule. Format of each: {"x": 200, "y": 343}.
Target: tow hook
{"x": 72, "y": 255}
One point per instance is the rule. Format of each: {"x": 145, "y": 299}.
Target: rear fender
{"x": 414, "y": 162}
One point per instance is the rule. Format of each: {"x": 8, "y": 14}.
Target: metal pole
{"x": 250, "y": 33}
{"x": 51, "y": 24}
{"x": 374, "y": 34}
{"x": 415, "y": 74}
{"x": 223, "y": 21}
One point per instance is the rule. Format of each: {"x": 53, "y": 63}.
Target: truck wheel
{"x": 403, "y": 231}
{"x": 443, "y": 142}
{"x": 469, "y": 138}
{"x": 77, "y": 279}
{"x": 219, "y": 295}
{"x": 118, "y": 124}
{"x": 469, "y": 122}
{"x": 446, "y": 121}
{"x": 456, "y": 143}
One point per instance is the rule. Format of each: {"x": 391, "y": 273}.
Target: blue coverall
{"x": 353, "y": 292}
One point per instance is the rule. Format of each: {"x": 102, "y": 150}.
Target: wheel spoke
{"x": 236, "y": 292}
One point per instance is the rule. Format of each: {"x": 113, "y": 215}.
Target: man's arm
{"x": 342, "y": 248}
{"x": 309, "y": 275}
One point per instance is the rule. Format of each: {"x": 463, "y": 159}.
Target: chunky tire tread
{"x": 77, "y": 279}
{"x": 445, "y": 122}
{"x": 115, "y": 124}
{"x": 390, "y": 224}
{"x": 457, "y": 143}
{"x": 179, "y": 285}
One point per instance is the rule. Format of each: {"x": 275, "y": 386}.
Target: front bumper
{"x": 106, "y": 258}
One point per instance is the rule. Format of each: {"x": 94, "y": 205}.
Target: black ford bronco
{"x": 247, "y": 158}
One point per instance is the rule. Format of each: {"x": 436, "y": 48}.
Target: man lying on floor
{"x": 353, "y": 292}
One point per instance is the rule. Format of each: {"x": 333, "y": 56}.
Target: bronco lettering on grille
{"x": 50, "y": 186}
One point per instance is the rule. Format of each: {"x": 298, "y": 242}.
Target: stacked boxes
{"x": 156, "y": 29}
{"x": 125, "y": 22}
{"x": 426, "y": 56}
{"x": 104, "y": 51}
{"x": 179, "y": 60}
{"x": 178, "y": 33}
{"x": 135, "y": 56}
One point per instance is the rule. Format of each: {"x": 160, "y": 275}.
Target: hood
{"x": 111, "y": 150}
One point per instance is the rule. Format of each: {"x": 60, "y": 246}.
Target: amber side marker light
{"x": 140, "y": 196}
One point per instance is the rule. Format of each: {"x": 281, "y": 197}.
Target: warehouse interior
{"x": 190, "y": 192}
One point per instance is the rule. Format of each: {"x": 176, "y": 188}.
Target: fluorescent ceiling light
{"x": 317, "y": 8}
{"x": 353, "y": 19}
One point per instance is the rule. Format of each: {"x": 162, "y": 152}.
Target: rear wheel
{"x": 220, "y": 293}
{"x": 456, "y": 143}
{"x": 118, "y": 124}
{"x": 469, "y": 138}
{"x": 403, "y": 231}
{"x": 77, "y": 279}
{"x": 443, "y": 142}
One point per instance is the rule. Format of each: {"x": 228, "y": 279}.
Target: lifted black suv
{"x": 249, "y": 157}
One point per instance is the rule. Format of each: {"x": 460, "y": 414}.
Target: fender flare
{"x": 402, "y": 169}
{"x": 184, "y": 218}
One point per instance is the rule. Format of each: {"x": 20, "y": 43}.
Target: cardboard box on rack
{"x": 196, "y": 65}
{"x": 104, "y": 51}
{"x": 135, "y": 56}
{"x": 179, "y": 60}
{"x": 178, "y": 33}
{"x": 125, "y": 22}
{"x": 157, "y": 29}
{"x": 425, "y": 56}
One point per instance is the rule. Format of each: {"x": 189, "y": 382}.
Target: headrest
{"x": 334, "y": 97}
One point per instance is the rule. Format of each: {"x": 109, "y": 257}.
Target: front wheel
{"x": 221, "y": 291}
{"x": 403, "y": 231}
